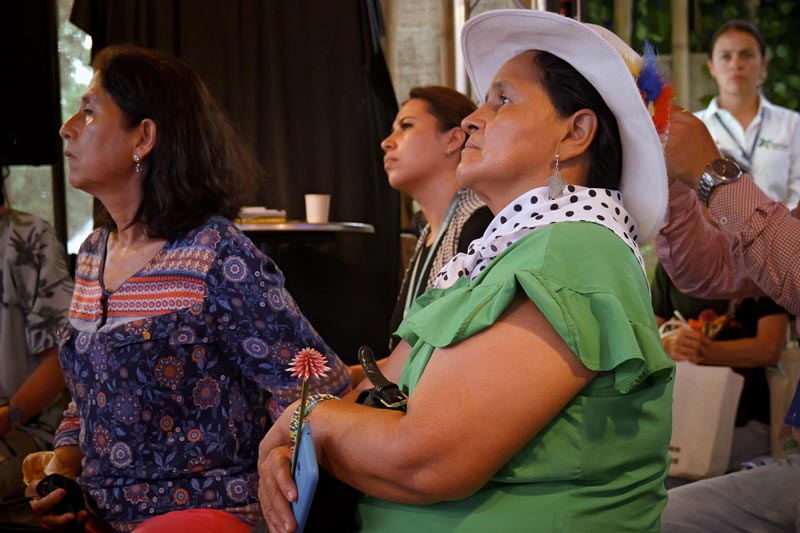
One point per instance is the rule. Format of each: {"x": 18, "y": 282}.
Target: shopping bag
{"x": 783, "y": 381}
{"x": 704, "y": 403}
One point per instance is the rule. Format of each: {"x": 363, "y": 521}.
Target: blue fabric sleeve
{"x": 261, "y": 325}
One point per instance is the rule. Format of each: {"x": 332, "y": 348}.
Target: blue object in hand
{"x": 306, "y": 474}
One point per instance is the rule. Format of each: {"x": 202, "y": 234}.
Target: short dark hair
{"x": 569, "y": 92}
{"x": 198, "y": 166}
{"x": 741, "y": 25}
{"x": 450, "y": 107}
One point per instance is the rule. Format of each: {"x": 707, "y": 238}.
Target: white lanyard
{"x": 747, "y": 157}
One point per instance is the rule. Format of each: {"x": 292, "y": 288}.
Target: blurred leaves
{"x": 652, "y": 21}
{"x": 600, "y": 12}
{"x": 778, "y": 20}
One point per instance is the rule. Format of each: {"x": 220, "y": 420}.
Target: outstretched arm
{"x": 38, "y": 390}
{"x": 766, "y": 236}
{"x": 697, "y": 255}
{"x": 429, "y": 454}
{"x": 762, "y": 350}
{"x": 753, "y": 249}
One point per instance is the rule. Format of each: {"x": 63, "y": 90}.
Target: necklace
{"x": 416, "y": 275}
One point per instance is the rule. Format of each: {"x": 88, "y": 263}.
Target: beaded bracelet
{"x": 313, "y": 400}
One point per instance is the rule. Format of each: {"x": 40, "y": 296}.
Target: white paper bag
{"x": 704, "y": 404}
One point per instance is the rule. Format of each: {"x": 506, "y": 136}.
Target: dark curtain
{"x": 306, "y": 85}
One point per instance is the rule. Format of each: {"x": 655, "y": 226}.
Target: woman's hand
{"x": 276, "y": 488}
{"x": 43, "y": 507}
{"x": 64, "y": 460}
{"x": 687, "y": 345}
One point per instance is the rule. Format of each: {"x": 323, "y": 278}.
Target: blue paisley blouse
{"x": 170, "y": 389}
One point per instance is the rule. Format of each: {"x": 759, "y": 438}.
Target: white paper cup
{"x": 317, "y": 208}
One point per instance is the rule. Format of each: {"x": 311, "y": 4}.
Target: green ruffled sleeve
{"x": 591, "y": 290}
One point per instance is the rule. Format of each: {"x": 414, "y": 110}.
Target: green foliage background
{"x": 779, "y": 21}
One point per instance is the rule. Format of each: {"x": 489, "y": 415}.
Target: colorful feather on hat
{"x": 656, "y": 93}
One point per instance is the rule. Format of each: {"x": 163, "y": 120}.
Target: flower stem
{"x": 301, "y": 418}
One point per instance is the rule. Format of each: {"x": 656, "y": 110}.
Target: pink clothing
{"x": 194, "y": 520}
{"x": 754, "y": 250}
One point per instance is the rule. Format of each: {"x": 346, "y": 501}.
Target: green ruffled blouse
{"x": 601, "y": 462}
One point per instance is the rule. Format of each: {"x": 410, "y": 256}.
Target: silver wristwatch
{"x": 718, "y": 172}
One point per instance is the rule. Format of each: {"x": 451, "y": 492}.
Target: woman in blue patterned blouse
{"x": 179, "y": 326}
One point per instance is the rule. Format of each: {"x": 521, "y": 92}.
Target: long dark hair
{"x": 198, "y": 166}
{"x": 569, "y": 92}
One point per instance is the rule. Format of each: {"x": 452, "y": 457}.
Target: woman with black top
{"x": 746, "y": 335}
{"x": 422, "y": 154}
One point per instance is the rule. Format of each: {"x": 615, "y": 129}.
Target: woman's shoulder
{"x": 94, "y": 242}
{"x": 217, "y": 234}
{"x": 219, "y": 243}
{"x": 577, "y": 244}
{"x": 225, "y": 227}
{"x": 580, "y": 232}
{"x": 781, "y": 114}
{"x": 578, "y": 258}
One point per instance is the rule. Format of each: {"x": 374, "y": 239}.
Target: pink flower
{"x": 308, "y": 363}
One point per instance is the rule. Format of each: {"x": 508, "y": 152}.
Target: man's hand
{"x": 688, "y": 149}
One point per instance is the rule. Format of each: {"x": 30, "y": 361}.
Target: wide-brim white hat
{"x": 491, "y": 39}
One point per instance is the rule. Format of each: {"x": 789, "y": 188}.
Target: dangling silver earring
{"x": 137, "y": 163}
{"x": 556, "y": 183}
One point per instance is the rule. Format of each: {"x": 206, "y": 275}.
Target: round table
{"x": 270, "y": 236}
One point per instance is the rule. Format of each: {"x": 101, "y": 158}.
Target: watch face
{"x": 725, "y": 169}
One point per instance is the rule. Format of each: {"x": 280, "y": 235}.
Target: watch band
{"x": 389, "y": 393}
{"x": 705, "y": 187}
{"x": 718, "y": 172}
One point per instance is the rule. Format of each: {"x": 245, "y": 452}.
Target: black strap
{"x": 388, "y": 393}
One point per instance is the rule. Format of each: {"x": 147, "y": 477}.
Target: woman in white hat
{"x": 542, "y": 331}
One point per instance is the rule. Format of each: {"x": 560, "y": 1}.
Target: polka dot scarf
{"x": 535, "y": 209}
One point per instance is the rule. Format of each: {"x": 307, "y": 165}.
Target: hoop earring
{"x": 137, "y": 163}
{"x": 556, "y": 183}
